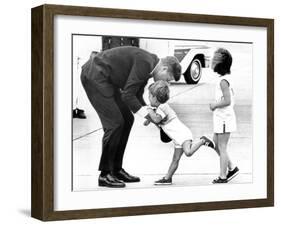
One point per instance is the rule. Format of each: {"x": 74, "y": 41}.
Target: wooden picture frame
{"x": 42, "y": 203}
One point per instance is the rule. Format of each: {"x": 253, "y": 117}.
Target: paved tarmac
{"x": 146, "y": 156}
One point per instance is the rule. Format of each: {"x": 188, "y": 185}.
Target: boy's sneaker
{"x": 163, "y": 181}
{"x": 208, "y": 142}
{"x": 232, "y": 173}
{"x": 220, "y": 181}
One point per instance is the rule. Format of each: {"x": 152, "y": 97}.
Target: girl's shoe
{"x": 220, "y": 181}
{"x": 232, "y": 173}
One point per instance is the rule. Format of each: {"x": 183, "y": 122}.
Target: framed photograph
{"x": 142, "y": 112}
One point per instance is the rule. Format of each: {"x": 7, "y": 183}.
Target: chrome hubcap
{"x": 195, "y": 70}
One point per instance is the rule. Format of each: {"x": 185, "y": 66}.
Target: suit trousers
{"x": 117, "y": 121}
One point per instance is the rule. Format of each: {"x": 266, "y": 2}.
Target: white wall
{"x": 15, "y": 112}
{"x": 82, "y": 49}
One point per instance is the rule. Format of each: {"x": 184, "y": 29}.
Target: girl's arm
{"x": 226, "y": 100}
{"x": 156, "y": 118}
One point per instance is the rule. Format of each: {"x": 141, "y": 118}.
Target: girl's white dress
{"x": 224, "y": 119}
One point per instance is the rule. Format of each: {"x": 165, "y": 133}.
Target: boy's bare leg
{"x": 189, "y": 148}
{"x": 224, "y": 158}
{"x": 175, "y": 162}
{"x": 230, "y": 164}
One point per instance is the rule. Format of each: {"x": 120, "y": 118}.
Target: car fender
{"x": 186, "y": 61}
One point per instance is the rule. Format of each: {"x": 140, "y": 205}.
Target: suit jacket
{"x": 126, "y": 69}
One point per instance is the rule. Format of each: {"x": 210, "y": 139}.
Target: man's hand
{"x": 164, "y": 120}
{"x": 149, "y": 120}
{"x": 146, "y": 122}
{"x": 150, "y": 110}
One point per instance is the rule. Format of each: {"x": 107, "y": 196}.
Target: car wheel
{"x": 193, "y": 73}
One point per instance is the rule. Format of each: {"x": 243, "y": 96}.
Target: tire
{"x": 193, "y": 73}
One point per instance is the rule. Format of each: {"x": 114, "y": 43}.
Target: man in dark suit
{"x": 114, "y": 81}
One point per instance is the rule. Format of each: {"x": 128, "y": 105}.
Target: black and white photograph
{"x": 135, "y": 113}
{"x": 160, "y": 113}
{"x": 156, "y": 114}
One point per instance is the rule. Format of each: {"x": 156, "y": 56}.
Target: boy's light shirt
{"x": 143, "y": 111}
{"x": 166, "y": 111}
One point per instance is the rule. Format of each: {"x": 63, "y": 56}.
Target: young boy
{"x": 223, "y": 114}
{"x": 165, "y": 117}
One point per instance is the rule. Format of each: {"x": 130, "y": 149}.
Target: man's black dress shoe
{"x": 110, "y": 181}
{"x": 124, "y": 176}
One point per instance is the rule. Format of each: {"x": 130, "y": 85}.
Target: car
{"x": 192, "y": 59}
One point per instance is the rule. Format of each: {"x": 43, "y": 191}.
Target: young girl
{"x": 165, "y": 117}
{"x": 223, "y": 114}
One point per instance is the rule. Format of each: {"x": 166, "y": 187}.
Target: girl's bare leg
{"x": 224, "y": 158}
{"x": 230, "y": 164}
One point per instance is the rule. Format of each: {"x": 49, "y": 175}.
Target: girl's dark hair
{"x": 224, "y": 66}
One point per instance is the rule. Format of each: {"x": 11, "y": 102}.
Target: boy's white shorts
{"x": 178, "y": 132}
{"x": 224, "y": 125}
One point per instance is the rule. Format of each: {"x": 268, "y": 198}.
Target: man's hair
{"x": 173, "y": 65}
{"x": 224, "y": 66}
{"x": 160, "y": 90}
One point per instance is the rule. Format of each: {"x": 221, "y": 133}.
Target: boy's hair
{"x": 173, "y": 65}
{"x": 160, "y": 90}
{"x": 224, "y": 66}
